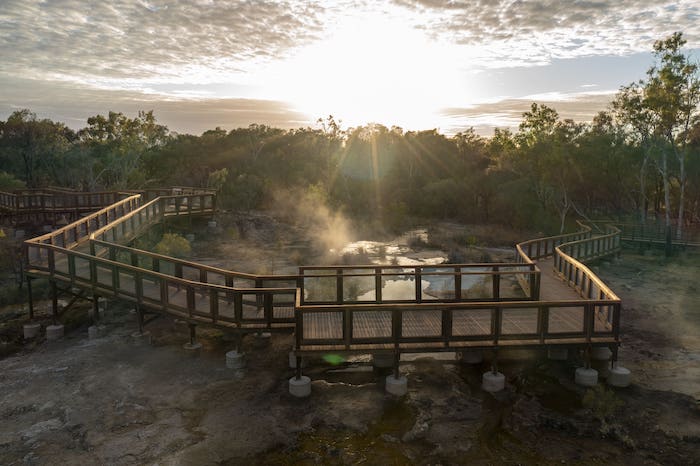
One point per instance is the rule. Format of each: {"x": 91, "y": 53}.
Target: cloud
{"x": 114, "y": 44}
{"x": 101, "y": 42}
{"x": 72, "y": 105}
{"x": 507, "y": 113}
{"x": 535, "y": 32}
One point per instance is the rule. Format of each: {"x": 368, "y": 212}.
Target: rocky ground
{"x": 118, "y": 400}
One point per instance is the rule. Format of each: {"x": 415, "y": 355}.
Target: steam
{"x": 328, "y": 229}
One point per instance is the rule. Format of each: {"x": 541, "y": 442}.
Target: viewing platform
{"x": 546, "y": 298}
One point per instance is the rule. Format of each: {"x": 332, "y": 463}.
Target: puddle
{"x": 381, "y": 444}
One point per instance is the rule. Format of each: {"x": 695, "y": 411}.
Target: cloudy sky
{"x": 418, "y": 64}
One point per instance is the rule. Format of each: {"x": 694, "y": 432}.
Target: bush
{"x": 174, "y": 245}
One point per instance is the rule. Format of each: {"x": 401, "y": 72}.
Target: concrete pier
{"x": 54, "y": 332}
{"x": 300, "y": 387}
{"x": 493, "y": 381}
{"x": 396, "y": 387}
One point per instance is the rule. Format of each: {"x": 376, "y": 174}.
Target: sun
{"x": 370, "y": 69}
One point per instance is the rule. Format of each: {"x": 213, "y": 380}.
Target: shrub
{"x": 174, "y": 245}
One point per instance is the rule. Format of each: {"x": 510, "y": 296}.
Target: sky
{"x": 417, "y": 64}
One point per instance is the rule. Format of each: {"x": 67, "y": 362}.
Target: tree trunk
{"x": 643, "y": 191}
{"x": 667, "y": 202}
{"x": 681, "y": 198}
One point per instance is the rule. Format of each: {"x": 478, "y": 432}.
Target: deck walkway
{"x": 524, "y": 303}
{"x": 552, "y": 286}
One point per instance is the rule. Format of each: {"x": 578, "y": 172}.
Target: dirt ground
{"x": 119, "y": 400}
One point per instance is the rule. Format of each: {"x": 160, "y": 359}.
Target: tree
{"x": 28, "y": 146}
{"x": 658, "y": 114}
{"x": 673, "y": 95}
{"x": 119, "y": 144}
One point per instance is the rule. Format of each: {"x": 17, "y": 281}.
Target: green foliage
{"x": 602, "y": 403}
{"x": 217, "y": 179}
{"x": 9, "y": 183}
{"x": 642, "y": 155}
{"x": 174, "y": 245}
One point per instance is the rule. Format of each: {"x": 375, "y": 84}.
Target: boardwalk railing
{"x": 450, "y": 326}
{"x": 569, "y": 258}
{"x": 541, "y": 248}
{"x": 81, "y": 255}
{"x": 70, "y": 236}
{"x": 57, "y": 200}
{"x": 415, "y": 284}
{"x": 336, "y": 321}
{"x": 191, "y": 300}
{"x": 351, "y": 308}
{"x": 655, "y": 233}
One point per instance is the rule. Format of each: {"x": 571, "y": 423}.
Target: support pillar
{"x": 31, "y": 298}
{"x": 31, "y": 330}
{"x": 140, "y": 335}
{"x": 382, "y": 360}
{"x": 556, "y": 353}
{"x": 294, "y": 360}
{"x": 235, "y": 360}
{"x": 193, "y": 344}
{"x": 235, "y": 357}
{"x": 586, "y": 376}
{"x": 95, "y": 309}
{"x": 600, "y": 360}
{"x": 54, "y": 301}
{"x": 493, "y": 381}
{"x": 300, "y": 386}
{"x": 54, "y": 332}
{"x": 619, "y": 376}
{"x": 471, "y": 356}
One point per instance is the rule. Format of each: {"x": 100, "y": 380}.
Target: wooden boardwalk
{"x": 546, "y": 297}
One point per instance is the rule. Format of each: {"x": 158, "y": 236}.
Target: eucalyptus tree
{"x": 119, "y": 145}
{"x": 658, "y": 113}
{"x": 29, "y": 146}
{"x": 673, "y": 95}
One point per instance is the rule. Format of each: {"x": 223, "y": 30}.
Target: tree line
{"x": 638, "y": 158}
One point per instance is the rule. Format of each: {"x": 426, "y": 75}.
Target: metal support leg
{"x": 31, "y": 298}
{"x": 139, "y": 318}
{"x": 397, "y": 359}
{"x": 587, "y": 357}
{"x": 494, "y": 362}
{"x": 54, "y": 302}
{"x": 297, "y": 370}
{"x": 613, "y": 358}
{"x": 95, "y": 309}
{"x": 193, "y": 336}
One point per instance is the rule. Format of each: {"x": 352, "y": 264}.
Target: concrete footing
{"x": 192, "y": 346}
{"x": 382, "y": 360}
{"x": 586, "y": 377}
{"x": 93, "y": 332}
{"x": 557, "y": 354}
{"x": 54, "y": 332}
{"x": 396, "y": 387}
{"x": 301, "y": 387}
{"x": 600, "y": 353}
{"x": 235, "y": 360}
{"x": 471, "y": 357}
{"x": 619, "y": 377}
{"x": 493, "y": 382}
{"x": 31, "y": 330}
{"x": 141, "y": 338}
{"x": 262, "y": 338}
